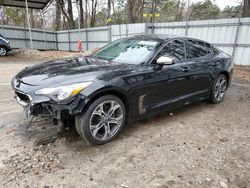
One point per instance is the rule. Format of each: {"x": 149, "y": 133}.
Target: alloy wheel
{"x": 3, "y": 51}
{"x": 106, "y": 120}
{"x": 220, "y": 89}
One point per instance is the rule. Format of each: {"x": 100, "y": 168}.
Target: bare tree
{"x": 113, "y": 6}
{"x": 135, "y": 10}
{"x": 81, "y": 13}
{"x": 180, "y": 10}
{"x": 130, "y": 12}
{"x": 246, "y": 8}
{"x": 93, "y": 13}
{"x": 86, "y": 13}
{"x": 109, "y": 9}
{"x": 58, "y": 18}
{"x": 70, "y": 12}
{"x": 32, "y": 18}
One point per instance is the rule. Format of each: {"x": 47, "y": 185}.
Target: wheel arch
{"x": 3, "y": 46}
{"x": 108, "y": 91}
{"x": 227, "y": 76}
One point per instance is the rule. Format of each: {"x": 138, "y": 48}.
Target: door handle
{"x": 185, "y": 69}
{"x": 196, "y": 77}
{"x": 215, "y": 64}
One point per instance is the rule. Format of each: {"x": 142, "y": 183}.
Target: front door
{"x": 173, "y": 81}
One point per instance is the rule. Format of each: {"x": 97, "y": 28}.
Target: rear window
{"x": 196, "y": 49}
{"x": 210, "y": 49}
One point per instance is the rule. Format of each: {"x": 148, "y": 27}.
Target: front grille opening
{"x": 39, "y": 109}
{"x": 23, "y": 97}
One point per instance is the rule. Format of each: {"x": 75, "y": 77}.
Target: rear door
{"x": 199, "y": 65}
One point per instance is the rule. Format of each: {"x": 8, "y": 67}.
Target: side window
{"x": 196, "y": 49}
{"x": 174, "y": 49}
{"x": 209, "y": 48}
{"x": 214, "y": 50}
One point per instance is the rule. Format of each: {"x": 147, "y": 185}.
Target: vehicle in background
{"x": 4, "y": 45}
{"x": 127, "y": 80}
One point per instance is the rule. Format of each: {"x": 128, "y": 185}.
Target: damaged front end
{"x": 43, "y": 106}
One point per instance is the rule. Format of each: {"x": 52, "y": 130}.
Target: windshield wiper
{"x": 102, "y": 60}
{"x": 91, "y": 59}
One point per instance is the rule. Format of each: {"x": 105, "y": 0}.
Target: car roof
{"x": 166, "y": 37}
{"x": 163, "y": 37}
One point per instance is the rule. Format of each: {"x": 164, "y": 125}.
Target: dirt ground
{"x": 18, "y": 55}
{"x": 201, "y": 145}
{"x": 35, "y": 55}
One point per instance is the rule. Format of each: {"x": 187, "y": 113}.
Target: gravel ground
{"x": 201, "y": 145}
{"x": 18, "y": 55}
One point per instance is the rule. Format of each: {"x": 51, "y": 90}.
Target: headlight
{"x": 63, "y": 92}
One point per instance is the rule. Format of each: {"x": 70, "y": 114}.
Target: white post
{"x": 28, "y": 21}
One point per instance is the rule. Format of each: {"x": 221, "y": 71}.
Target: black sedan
{"x": 127, "y": 80}
{"x": 4, "y": 45}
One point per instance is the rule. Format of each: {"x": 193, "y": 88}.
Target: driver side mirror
{"x": 163, "y": 60}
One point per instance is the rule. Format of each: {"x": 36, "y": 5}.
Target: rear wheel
{"x": 102, "y": 121}
{"x": 219, "y": 89}
{"x": 3, "y": 51}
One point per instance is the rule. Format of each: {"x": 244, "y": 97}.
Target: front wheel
{"x": 102, "y": 121}
{"x": 219, "y": 89}
{"x": 3, "y": 51}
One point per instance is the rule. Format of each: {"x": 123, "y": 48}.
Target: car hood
{"x": 73, "y": 70}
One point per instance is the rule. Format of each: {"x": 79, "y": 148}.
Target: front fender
{"x": 97, "y": 90}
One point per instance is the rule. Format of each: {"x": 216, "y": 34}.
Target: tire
{"x": 99, "y": 123}
{"x": 3, "y": 51}
{"x": 219, "y": 89}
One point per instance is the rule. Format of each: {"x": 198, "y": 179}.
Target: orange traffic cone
{"x": 79, "y": 46}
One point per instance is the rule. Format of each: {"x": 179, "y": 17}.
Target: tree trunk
{"x": 113, "y": 6}
{"x": 108, "y": 11}
{"x": 32, "y": 19}
{"x": 57, "y": 26}
{"x": 65, "y": 15}
{"x": 93, "y": 13}
{"x": 86, "y": 14}
{"x": 246, "y": 8}
{"x": 130, "y": 4}
{"x": 70, "y": 12}
{"x": 177, "y": 11}
{"x": 64, "y": 23}
{"x": 81, "y": 13}
{"x": 141, "y": 11}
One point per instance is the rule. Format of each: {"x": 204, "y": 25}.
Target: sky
{"x": 223, "y": 3}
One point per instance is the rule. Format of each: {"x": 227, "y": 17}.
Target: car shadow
{"x": 42, "y": 131}
{"x": 167, "y": 116}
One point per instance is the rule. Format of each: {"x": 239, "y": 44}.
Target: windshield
{"x": 131, "y": 51}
